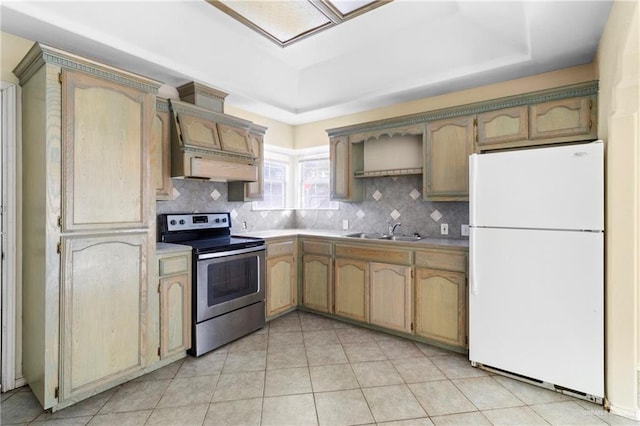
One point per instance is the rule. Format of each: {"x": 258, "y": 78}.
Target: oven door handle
{"x": 230, "y": 253}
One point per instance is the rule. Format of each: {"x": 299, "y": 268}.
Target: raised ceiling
{"x": 401, "y": 51}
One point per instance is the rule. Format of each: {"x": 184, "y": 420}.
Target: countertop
{"x": 164, "y": 248}
{"x": 427, "y": 241}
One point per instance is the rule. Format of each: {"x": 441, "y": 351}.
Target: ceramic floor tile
{"x": 136, "y": 396}
{"x": 359, "y": 352}
{"x": 399, "y": 350}
{"x": 208, "y": 364}
{"x": 441, "y": 397}
{"x": 246, "y": 412}
{"x": 346, "y": 407}
{"x": 389, "y": 403}
{"x": 287, "y": 357}
{"x": 320, "y": 338}
{"x": 313, "y": 322}
{"x": 327, "y": 354}
{"x": 423, "y": 421}
{"x": 287, "y": 381}
{"x": 133, "y": 418}
{"x": 376, "y": 373}
{"x": 456, "y": 367}
{"x": 284, "y": 324}
{"x": 333, "y": 377}
{"x": 189, "y": 391}
{"x": 355, "y": 335}
{"x": 166, "y": 372}
{"x": 285, "y": 339}
{"x": 298, "y": 410}
{"x": 340, "y": 325}
{"x": 530, "y": 394}
{"x": 465, "y": 419}
{"x": 517, "y": 416}
{"x": 416, "y": 370}
{"x": 430, "y": 350}
{"x": 486, "y": 393}
{"x": 245, "y": 361}
{"x": 239, "y": 386}
{"x": 88, "y": 407}
{"x": 179, "y": 416}
{"x": 567, "y": 413}
{"x": 73, "y": 421}
{"x": 21, "y": 407}
{"x": 252, "y": 342}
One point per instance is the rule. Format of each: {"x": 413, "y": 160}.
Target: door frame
{"x": 8, "y": 136}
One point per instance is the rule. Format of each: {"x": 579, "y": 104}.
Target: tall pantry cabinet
{"x": 88, "y": 225}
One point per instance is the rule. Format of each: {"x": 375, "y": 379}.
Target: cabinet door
{"x": 281, "y": 284}
{"x": 505, "y": 125}
{"x": 391, "y": 296}
{"x": 175, "y": 314}
{"x": 106, "y": 145}
{"x": 103, "y": 311}
{"x": 440, "y": 306}
{"x": 316, "y": 282}
{"x": 449, "y": 144}
{"x": 340, "y": 170}
{"x": 564, "y": 120}
{"x": 351, "y": 291}
{"x": 160, "y": 151}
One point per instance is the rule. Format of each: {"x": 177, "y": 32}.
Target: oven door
{"x": 229, "y": 280}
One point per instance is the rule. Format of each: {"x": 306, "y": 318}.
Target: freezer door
{"x": 547, "y": 188}
{"x": 536, "y": 305}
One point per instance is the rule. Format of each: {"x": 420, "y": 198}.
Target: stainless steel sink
{"x": 383, "y": 237}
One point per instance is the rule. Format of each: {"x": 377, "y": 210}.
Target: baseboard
{"x": 630, "y": 414}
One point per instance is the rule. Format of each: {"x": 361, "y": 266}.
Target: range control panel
{"x": 188, "y": 222}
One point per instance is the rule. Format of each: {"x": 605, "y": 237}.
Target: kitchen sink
{"x": 384, "y": 237}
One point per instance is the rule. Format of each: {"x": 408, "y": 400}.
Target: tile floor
{"x": 302, "y": 369}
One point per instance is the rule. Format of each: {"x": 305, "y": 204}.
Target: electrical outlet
{"x": 444, "y": 228}
{"x": 464, "y": 230}
{"x": 345, "y": 224}
{"x": 244, "y": 225}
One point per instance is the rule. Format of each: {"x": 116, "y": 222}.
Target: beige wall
{"x": 314, "y": 134}
{"x": 278, "y": 133}
{"x": 13, "y": 50}
{"x": 617, "y": 64}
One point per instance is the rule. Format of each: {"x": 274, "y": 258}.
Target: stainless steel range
{"x": 228, "y": 277}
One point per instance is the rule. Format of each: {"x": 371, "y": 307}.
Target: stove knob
{"x": 217, "y": 220}
{"x": 224, "y": 220}
{"x": 173, "y": 222}
{"x": 181, "y": 221}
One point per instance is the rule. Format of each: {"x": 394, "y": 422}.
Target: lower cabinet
{"x": 317, "y": 272}
{"x": 351, "y": 289}
{"x": 281, "y": 277}
{"x": 441, "y": 297}
{"x": 175, "y": 303}
{"x": 391, "y": 297}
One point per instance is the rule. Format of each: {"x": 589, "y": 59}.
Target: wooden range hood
{"x": 208, "y": 144}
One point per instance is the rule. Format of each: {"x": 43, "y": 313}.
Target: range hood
{"x": 208, "y": 144}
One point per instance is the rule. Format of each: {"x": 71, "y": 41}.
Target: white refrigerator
{"x": 536, "y": 290}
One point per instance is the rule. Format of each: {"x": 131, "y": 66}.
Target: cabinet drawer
{"x": 280, "y": 249}
{"x": 174, "y": 265}
{"x": 441, "y": 260}
{"x": 374, "y": 254}
{"x": 316, "y": 247}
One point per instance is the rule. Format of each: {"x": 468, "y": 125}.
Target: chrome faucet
{"x": 392, "y": 227}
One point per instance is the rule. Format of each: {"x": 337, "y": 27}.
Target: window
{"x": 275, "y": 186}
{"x": 314, "y": 192}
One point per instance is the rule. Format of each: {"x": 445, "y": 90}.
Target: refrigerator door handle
{"x": 473, "y": 274}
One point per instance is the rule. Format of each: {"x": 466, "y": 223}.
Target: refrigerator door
{"x": 536, "y": 305}
{"x": 545, "y": 188}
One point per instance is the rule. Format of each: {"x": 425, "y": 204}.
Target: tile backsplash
{"x": 397, "y": 199}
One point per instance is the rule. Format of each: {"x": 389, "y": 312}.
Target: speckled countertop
{"x": 278, "y": 233}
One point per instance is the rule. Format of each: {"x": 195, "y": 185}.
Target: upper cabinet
{"x": 450, "y": 135}
{"x": 251, "y": 191}
{"x": 564, "y": 120}
{"x": 448, "y": 146}
{"x": 161, "y": 151}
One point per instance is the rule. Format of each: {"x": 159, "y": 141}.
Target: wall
{"x": 278, "y": 133}
{"x": 619, "y": 125}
